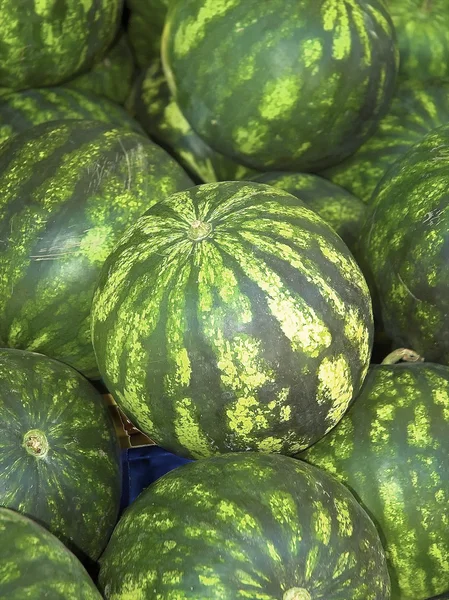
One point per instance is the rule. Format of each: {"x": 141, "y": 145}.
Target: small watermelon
{"x": 35, "y": 564}
{"x": 416, "y": 109}
{"x": 46, "y": 42}
{"x": 245, "y": 526}
{"x": 404, "y": 248}
{"x": 277, "y": 85}
{"x": 232, "y": 317}
{"x": 112, "y": 76}
{"x": 340, "y": 209}
{"x": 391, "y": 450}
{"x": 146, "y": 22}
{"x": 152, "y": 104}
{"x": 59, "y": 453}
{"x": 69, "y": 190}
{"x": 19, "y": 111}
{"x": 423, "y": 37}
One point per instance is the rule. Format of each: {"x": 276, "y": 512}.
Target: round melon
{"x": 46, "y": 42}
{"x": 153, "y": 106}
{"x": 417, "y": 108}
{"x": 60, "y": 457}
{"x": 35, "y": 564}
{"x": 21, "y": 110}
{"x": 69, "y": 190}
{"x": 404, "y": 248}
{"x": 277, "y": 85}
{"x": 340, "y": 209}
{"x": 112, "y": 76}
{"x": 391, "y": 450}
{"x": 245, "y": 525}
{"x": 423, "y": 37}
{"x": 231, "y": 317}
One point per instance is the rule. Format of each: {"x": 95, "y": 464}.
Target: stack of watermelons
{"x": 233, "y": 216}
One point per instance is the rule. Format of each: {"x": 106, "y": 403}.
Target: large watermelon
{"x": 423, "y": 37}
{"x": 278, "y": 85}
{"x": 404, "y": 247}
{"x": 231, "y": 317}
{"x": 69, "y": 189}
{"x": 112, "y": 76}
{"x": 416, "y": 109}
{"x": 391, "y": 450}
{"x": 46, "y": 42}
{"x": 245, "y": 526}
{"x": 35, "y": 564}
{"x": 154, "y": 107}
{"x": 21, "y": 110}
{"x": 59, "y": 453}
{"x": 341, "y": 210}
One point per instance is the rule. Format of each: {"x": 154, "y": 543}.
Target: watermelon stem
{"x": 296, "y": 594}
{"x": 199, "y": 230}
{"x": 36, "y": 443}
{"x": 402, "y": 354}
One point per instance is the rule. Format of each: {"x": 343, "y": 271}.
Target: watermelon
{"x": 112, "y": 76}
{"x": 341, "y": 210}
{"x": 404, "y": 248}
{"x": 241, "y": 526}
{"x": 146, "y": 22}
{"x": 153, "y": 106}
{"x": 45, "y": 42}
{"x": 21, "y": 110}
{"x": 69, "y": 189}
{"x": 230, "y": 317}
{"x": 60, "y": 457}
{"x": 391, "y": 450}
{"x": 282, "y": 88}
{"x": 416, "y": 109}
{"x": 423, "y": 37}
{"x": 35, "y": 564}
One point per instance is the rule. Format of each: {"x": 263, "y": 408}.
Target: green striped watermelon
{"x": 153, "y": 106}
{"x": 21, "y": 110}
{"x": 245, "y": 526}
{"x": 404, "y": 248}
{"x": 391, "y": 450}
{"x": 146, "y": 22}
{"x": 112, "y": 76}
{"x": 416, "y": 109}
{"x": 231, "y": 317}
{"x": 43, "y": 42}
{"x": 341, "y": 210}
{"x": 59, "y": 453}
{"x": 69, "y": 189}
{"x": 35, "y": 564}
{"x": 423, "y": 37}
{"x": 278, "y": 87}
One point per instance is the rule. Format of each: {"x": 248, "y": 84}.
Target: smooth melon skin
{"x": 416, "y": 109}
{"x": 69, "y": 190}
{"x": 245, "y": 525}
{"x": 404, "y": 248}
{"x": 423, "y": 37}
{"x": 36, "y": 565}
{"x": 146, "y": 23}
{"x": 285, "y": 85}
{"x": 340, "y": 209}
{"x": 20, "y": 111}
{"x": 391, "y": 450}
{"x": 231, "y": 317}
{"x": 152, "y": 104}
{"x": 46, "y": 42}
{"x": 59, "y": 453}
